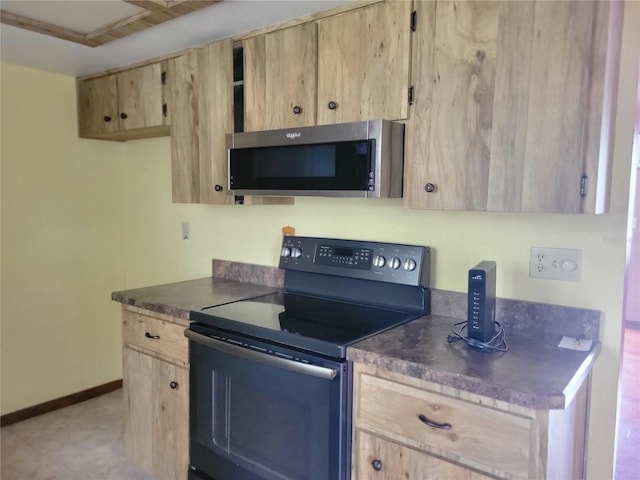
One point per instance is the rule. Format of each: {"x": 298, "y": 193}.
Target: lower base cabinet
{"x": 156, "y": 395}
{"x": 381, "y": 459}
{"x": 411, "y": 429}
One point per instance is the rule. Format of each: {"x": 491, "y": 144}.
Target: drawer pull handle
{"x": 153, "y": 337}
{"x": 431, "y": 423}
{"x": 173, "y": 385}
{"x": 377, "y": 465}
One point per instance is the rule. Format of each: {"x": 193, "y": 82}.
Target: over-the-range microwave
{"x": 359, "y": 159}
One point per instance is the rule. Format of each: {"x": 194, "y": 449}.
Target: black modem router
{"x": 481, "y": 314}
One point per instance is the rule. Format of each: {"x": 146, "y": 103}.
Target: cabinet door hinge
{"x": 163, "y": 78}
{"x": 584, "y": 186}
{"x": 414, "y": 21}
{"x": 164, "y": 109}
{"x": 411, "y": 95}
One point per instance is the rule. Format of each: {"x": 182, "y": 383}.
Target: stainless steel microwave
{"x": 359, "y": 159}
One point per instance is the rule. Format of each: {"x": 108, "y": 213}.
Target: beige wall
{"x": 142, "y": 245}
{"x": 61, "y": 238}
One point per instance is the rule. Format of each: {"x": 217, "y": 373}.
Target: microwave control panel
{"x": 386, "y": 262}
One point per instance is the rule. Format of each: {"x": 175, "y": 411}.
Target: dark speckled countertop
{"x": 534, "y": 373}
{"x": 230, "y": 281}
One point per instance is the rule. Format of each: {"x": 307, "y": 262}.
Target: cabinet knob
{"x": 173, "y": 385}
{"x": 377, "y": 465}
{"x": 218, "y": 188}
{"x": 123, "y": 115}
{"x": 297, "y": 110}
{"x": 106, "y": 118}
{"x": 430, "y": 187}
{"x": 332, "y": 105}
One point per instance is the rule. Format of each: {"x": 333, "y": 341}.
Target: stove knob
{"x": 409, "y": 264}
{"x": 286, "y": 252}
{"x": 296, "y": 252}
{"x": 394, "y": 263}
{"x": 379, "y": 261}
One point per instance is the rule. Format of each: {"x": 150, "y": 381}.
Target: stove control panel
{"x": 386, "y": 262}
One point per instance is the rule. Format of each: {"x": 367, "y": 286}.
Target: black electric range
{"x": 270, "y": 386}
{"x": 336, "y": 293}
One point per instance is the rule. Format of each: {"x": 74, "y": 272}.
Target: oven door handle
{"x": 292, "y": 365}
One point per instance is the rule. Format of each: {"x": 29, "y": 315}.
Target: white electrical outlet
{"x": 186, "y": 230}
{"x": 555, "y": 263}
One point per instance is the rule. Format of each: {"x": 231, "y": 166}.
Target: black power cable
{"x": 498, "y": 342}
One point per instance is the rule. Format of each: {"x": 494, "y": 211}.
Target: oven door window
{"x": 249, "y": 418}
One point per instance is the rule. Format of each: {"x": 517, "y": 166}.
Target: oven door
{"x": 258, "y": 414}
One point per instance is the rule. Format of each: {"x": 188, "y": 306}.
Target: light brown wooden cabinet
{"x": 378, "y": 458}
{"x": 280, "y": 74}
{"x": 343, "y": 68}
{"x": 156, "y": 393}
{"x": 405, "y": 427}
{"x": 123, "y": 106}
{"x": 363, "y": 64}
{"x": 511, "y": 99}
{"x": 200, "y": 85}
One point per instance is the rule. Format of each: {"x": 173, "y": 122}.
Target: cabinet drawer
{"x": 484, "y": 436}
{"x": 157, "y": 335}
{"x": 380, "y": 459}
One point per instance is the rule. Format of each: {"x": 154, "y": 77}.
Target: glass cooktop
{"x": 310, "y": 323}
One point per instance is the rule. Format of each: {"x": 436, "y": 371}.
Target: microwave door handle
{"x": 303, "y": 368}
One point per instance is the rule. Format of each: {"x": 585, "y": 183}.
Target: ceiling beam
{"x": 156, "y": 12}
{"x": 37, "y": 26}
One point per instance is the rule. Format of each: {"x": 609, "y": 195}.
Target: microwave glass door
{"x": 327, "y": 166}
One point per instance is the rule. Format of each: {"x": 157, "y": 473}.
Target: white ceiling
{"x": 222, "y": 20}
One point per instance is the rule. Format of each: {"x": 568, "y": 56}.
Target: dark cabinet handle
{"x": 430, "y": 187}
{"x": 123, "y": 115}
{"x": 153, "y": 337}
{"x": 218, "y": 188}
{"x": 332, "y": 105}
{"x": 297, "y": 110}
{"x": 377, "y": 465}
{"x": 173, "y": 385}
{"x": 106, "y": 118}
{"x": 431, "y": 423}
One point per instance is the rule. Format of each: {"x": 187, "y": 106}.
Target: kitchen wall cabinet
{"x": 182, "y": 84}
{"x": 215, "y": 103}
{"x": 123, "y": 106}
{"x": 346, "y": 67}
{"x": 512, "y": 106}
{"x": 471, "y": 437}
{"x": 363, "y": 64}
{"x": 200, "y": 87}
{"x": 156, "y": 393}
{"x": 280, "y": 72}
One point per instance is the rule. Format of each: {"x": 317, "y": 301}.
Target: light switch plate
{"x": 555, "y": 264}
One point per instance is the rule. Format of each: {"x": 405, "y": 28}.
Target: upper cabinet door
{"x": 123, "y": 106}
{"x": 363, "y": 64}
{"x": 510, "y": 103}
{"x": 200, "y": 85}
{"x": 98, "y": 106}
{"x": 182, "y": 83}
{"x": 280, "y": 78}
{"x": 141, "y": 97}
{"x": 215, "y": 113}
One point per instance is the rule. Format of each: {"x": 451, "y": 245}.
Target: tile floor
{"x": 80, "y": 442}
